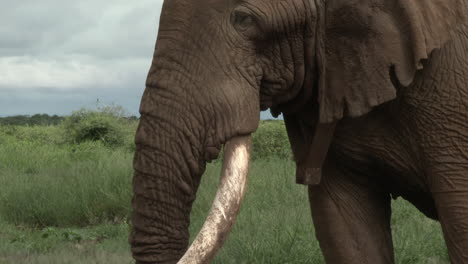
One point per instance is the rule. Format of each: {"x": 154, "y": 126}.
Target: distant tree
{"x": 15, "y": 120}
{"x": 55, "y": 119}
{"x": 52, "y": 120}
{"x": 34, "y": 120}
{"x": 133, "y": 118}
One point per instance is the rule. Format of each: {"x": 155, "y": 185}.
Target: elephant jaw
{"x": 226, "y": 205}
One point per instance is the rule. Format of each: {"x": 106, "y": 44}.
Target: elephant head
{"x": 217, "y": 63}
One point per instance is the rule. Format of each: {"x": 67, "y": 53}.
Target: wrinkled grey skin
{"x": 395, "y": 80}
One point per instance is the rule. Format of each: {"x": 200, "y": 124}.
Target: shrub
{"x": 39, "y": 134}
{"x": 104, "y": 124}
{"x": 270, "y": 140}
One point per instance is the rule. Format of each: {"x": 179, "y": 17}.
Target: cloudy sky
{"x": 58, "y": 56}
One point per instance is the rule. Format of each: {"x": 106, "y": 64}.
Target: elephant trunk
{"x": 168, "y": 164}
{"x": 226, "y": 205}
{"x": 164, "y": 189}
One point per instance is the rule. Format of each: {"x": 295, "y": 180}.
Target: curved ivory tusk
{"x": 226, "y": 205}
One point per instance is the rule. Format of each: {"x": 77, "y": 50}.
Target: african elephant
{"x": 374, "y": 95}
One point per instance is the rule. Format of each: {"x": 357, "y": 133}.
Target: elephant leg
{"x": 352, "y": 220}
{"x": 451, "y": 198}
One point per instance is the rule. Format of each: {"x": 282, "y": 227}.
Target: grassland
{"x": 63, "y": 201}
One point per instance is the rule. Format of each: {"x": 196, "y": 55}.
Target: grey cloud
{"x": 38, "y": 27}
{"x": 57, "y": 54}
{"x": 98, "y": 28}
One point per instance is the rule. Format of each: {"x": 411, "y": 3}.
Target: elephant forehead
{"x": 182, "y": 9}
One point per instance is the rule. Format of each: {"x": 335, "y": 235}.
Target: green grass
{"x": 50, "y": 185}
{"x": 99, "y": 244}
{"x": 274, "y": 225}
{"x": 62, "y": 203}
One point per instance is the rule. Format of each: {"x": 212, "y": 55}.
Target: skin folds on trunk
{"x": 162, "y": 202}
{"x": 163, "y": 192}
{"x": 226, "y": 205}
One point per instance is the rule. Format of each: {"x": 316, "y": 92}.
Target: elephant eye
{"x": 242, "y": 20}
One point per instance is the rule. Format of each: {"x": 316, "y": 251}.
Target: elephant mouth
{"x": 227, "y": 202}
{"x": 211, "y": 153}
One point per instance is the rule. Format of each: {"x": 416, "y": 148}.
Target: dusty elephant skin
{"x": 392, "y": 75}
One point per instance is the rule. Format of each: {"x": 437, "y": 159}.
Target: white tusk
{"x": 226, "y": 205}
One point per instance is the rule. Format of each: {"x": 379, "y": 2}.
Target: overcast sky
{"x": 57, "y": 56}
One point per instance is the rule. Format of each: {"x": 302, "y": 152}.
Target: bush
{"x": 39, "y": 134}
{"x": 271, "y": 141}
{"x": 106, "y": 125}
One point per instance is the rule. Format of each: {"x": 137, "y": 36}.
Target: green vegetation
{"x": 106, "y": 125}
{"x": 49, "y": 185}
{"x": 35, "y": 120}
{"x": 65, "y": 198}
{"x": 270, "y": 140}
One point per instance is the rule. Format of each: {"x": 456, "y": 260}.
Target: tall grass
{"x": 47, "y": 182}
{"x": 275, "y": 223}
{"x": 51, "y": 185}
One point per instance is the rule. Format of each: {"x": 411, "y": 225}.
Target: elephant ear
{"x": 368, "y": 43}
